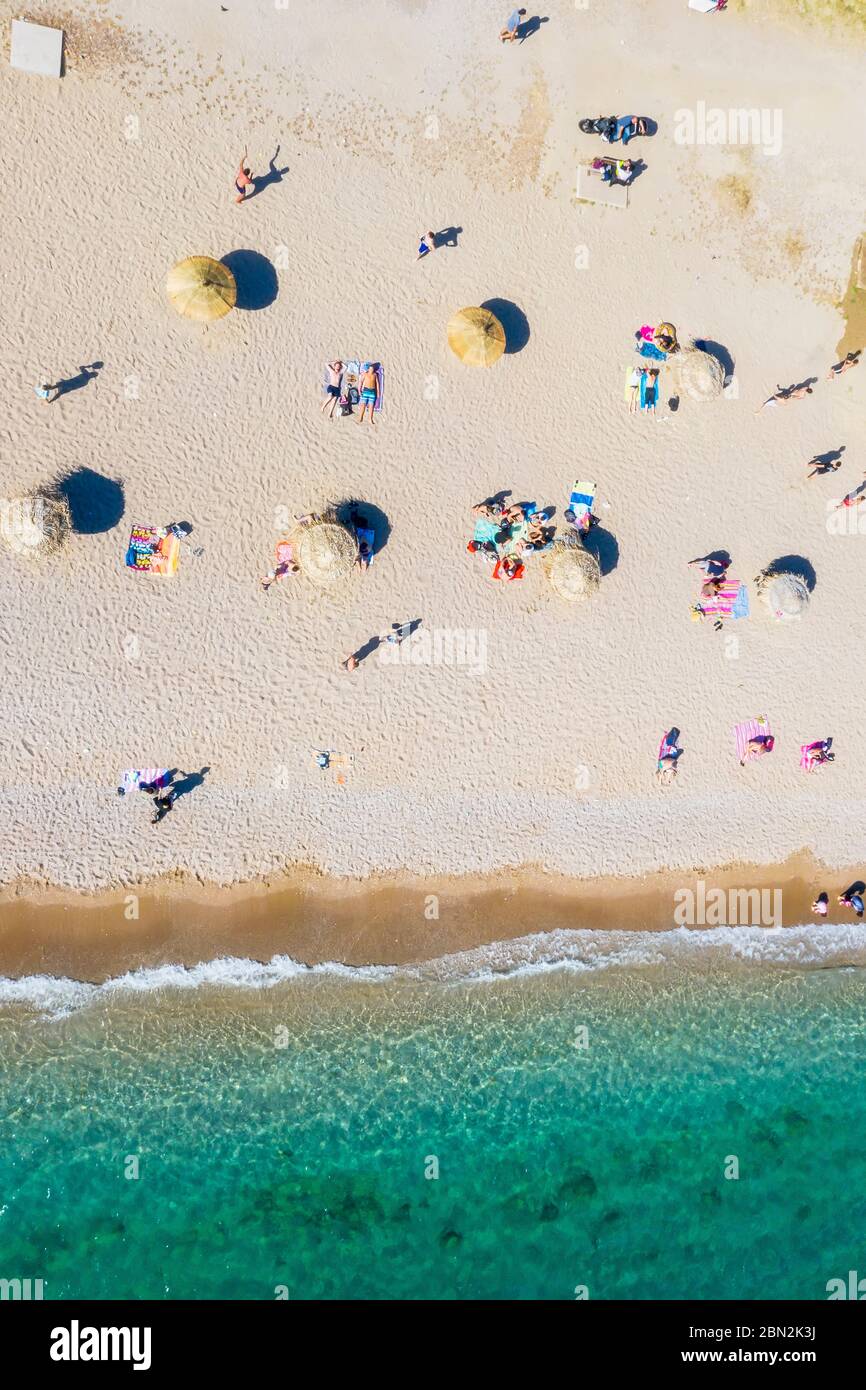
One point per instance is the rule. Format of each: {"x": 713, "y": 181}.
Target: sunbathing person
{"x": 712, "y": 568}
{"x": 509, "y": 567}
{"x": 369, "y": 391}
{"x": 759, "y": 745}
{"x": 332, "y": 387}
{"x": 784, "y": 394}
{"x": 286, "y": 564}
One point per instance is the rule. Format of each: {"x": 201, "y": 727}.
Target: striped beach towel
{"x": 722, "y": 606}
{"x": 141, "y": 776}
{"x": 751, "y": 728}
{"x": 581, "y": 503}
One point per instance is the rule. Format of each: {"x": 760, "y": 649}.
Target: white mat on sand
{"x": 36, "y": 48}
{"x": 595, "y": 190}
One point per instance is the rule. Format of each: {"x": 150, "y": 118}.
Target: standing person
{"x": 852, "y": 499}
{"x": 332, "y": 386}
{"x": 162, "y": 800}
{"x": 369, "y": 391}
{"x": 512, "y": 27}
{"x": 712, "y": 568}
{"x": 243, "y": 180}
{"x": 350, "y": 663}
{"x": 426, "y": 244}
{"x": 46, "y": 392}
{"x": 849, "y": 361}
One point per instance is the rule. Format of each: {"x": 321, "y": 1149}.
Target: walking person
{"x": 47, "y": 393}
{"x": 852, "y": 359}
{"x": 426, "y": 244}
{"x": 243, "y": 180}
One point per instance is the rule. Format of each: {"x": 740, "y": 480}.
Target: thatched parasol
{"x": 324, "y": 550}
{"x": 476, "y": 336}
{"x": 201, "y": 289}
{"x": 573, "y": 571}
{"x": 701, "y": 376}
{"x": 35, "y": 524}
{"x": 784, "y": 595}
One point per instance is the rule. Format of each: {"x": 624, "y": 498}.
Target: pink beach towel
{"x": 722, "y": 605}
{"x": 142, "y": 776}
{"x": 752, "y": 728}
{"x": 809, "y": 759}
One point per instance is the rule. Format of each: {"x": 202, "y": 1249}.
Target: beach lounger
{"x": 150, "y": 553}
{"x": 751, "y": 728}
{"x": 593, "y": 189}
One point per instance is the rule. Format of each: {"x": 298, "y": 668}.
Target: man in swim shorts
{"x": 369, "y": 391}
{"x": 243, "y": 180}
{"x": 512, "y": 28}
{"x": 332, "y": 386}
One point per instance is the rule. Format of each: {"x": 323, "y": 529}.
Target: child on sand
{"x": 821, "y": 904}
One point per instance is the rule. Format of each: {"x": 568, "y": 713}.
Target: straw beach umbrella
{"x": 201, "y": 288}
{"x": 573, "y": 572}
{"x": 35, "y": 524}
{"x": 325, "y": 551}
{"x": 784, "y": 595}
{"x": 701, "y": 376}
{"x": 476, "y": 336}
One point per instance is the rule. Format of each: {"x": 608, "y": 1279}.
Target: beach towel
{"x": 722, "y": 606}
{"x": 751, "y": 728}
{"x": 581, "y": 502}
{"x": 141, "y": 776}
{"x": 740, "y": 608}
{"x": 649, "y": 391}
{"x": 485, "y": 530}
{"x": 650, "y": 350}
{"x": 150, "y": 553}
{"x": 366, "y": 539}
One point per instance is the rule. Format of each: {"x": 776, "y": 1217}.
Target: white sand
{"x": 403, "y": 116}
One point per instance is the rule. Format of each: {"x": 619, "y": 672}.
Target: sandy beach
{"x": 541, "y": 753}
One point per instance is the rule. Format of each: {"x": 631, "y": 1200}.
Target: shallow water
{"x": 287, "y": 1137}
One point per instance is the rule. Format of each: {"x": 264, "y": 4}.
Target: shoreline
{"x": 390, "y": 920}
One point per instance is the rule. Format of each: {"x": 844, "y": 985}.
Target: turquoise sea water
{"x": 286, "y": 1136}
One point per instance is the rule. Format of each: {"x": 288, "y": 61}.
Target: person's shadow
{"x": 188, "y": 781}
{"x": 531, "y": 26}
{"x": 75, "y": 383}
{"x": 274, "y": 175}
{"x": 827, "y": 462}
{"x": 448, "y": 236}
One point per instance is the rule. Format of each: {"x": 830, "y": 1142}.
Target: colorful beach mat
{"x": 150, "y": 553}
{"x": 135, "y": 777}
{"x": 752, "y": 728}
{"x": 810, "y": 755}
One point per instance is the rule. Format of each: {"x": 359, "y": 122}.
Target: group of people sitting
{"x": 505, "y": 533}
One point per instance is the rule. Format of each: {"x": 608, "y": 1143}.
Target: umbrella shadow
{"x": 513, "y": 320}
{"x": 255, "y": 278}
{"x": 354, "y": 512}
{"x": 721, "y": 354}
{"x": 604, "y": 546}
{"x": 95, "y": 503}
{"x": 794, "y": 564}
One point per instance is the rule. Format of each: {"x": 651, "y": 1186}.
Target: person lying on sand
{"x": 851, "y": 360}
{"x": 332, "y": 386}
{"x": 712, "y": 568}
{"x": 369, "y": 391}
{"x": 783, "y": 394}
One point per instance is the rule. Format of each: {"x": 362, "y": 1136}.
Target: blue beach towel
{"x": 367, "y": 538}
{"x": 740, "y": 607}
{"x": 649, "y": 391}
{"x": 650, "y": 350}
